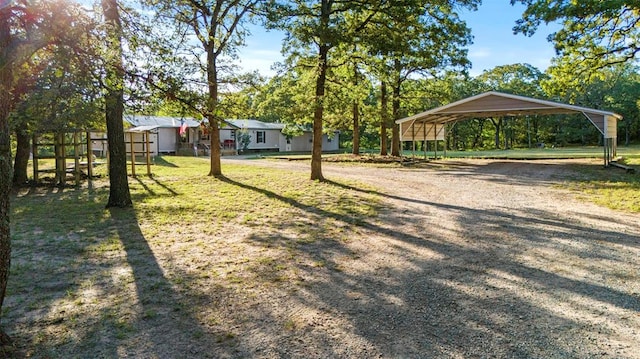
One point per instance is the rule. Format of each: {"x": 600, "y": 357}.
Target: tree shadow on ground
{"x": 399, "y": 284}
{"x": 150, "y": 192}
{"x": 468, "y": 291}
{"x": 161, "y": 303}
{"x": 57, "y": 308}
{"x": 160, "y": 161}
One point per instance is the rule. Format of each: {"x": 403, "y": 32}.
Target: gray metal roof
{"x": 498, "y": 104}
{"x": 160, "y": 121}
{"x": 141, "y": 128}
{"x": 255, "y": 124}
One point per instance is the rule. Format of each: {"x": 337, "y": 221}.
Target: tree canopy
{"x": 594, "y": 33}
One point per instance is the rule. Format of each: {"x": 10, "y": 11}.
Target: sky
{"x": 491, "y": 26}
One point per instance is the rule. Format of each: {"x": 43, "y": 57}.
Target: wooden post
{"x": 76, "y": 156}
{"x": 34, "y": 152}
{"x": 147, "y": 148}
{"x": 133, "y": 155}
{"x": 58, "y": 154}
{"x": 63, "y": 157}
{"x": 89, "y": 156}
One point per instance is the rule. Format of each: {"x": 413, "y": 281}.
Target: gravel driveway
{"x": 469, "y": 259}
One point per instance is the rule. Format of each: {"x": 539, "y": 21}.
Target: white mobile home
{"x": 175, "y": 135}
{"x": 265, "y": 136}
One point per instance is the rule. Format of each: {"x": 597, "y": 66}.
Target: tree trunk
{"x": 119, "y": 195}
{"x": 498, "y": 126}
{"x": 22, "y": 158}
{"x": 395, "y": 129}
{"x": 505, "y": 133}
{"x": 627, "y": 128}
{"x": 212, "y": 107}
{"x": 6, "y": 83}
{"x": 356, "y": 128}
{"x": 478, "y": 134}
{"x": 316, "y": 154}
{"x": 454, "y": 137}
{"x": 214, "y": 135}
{"x": 356, "y": 117}
{"x": 383, "y": 118}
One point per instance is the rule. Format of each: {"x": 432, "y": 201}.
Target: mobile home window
{"x": 261, "y": 137}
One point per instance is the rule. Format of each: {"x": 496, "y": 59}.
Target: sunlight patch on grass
{"x": 609, "y": 187}
{"x": 182, "y": 223}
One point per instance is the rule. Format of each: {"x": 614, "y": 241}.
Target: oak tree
{"x": 218, "y": 27}
{"x": 316, "y": 28}
{"x": 421, "y": 38}
{"x": 25, "y": 28}
{"x": 594, "y": 33}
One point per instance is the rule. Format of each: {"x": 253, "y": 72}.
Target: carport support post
{"x": 606, "y": 155}
{"x": 435, "y": 136}
{"x": 413, "y": 140}
{"x": 435, "y": 141}
{"x": 435, "y": 148}
{"x": 609, "y": 150}
{"x": 424, "y": 140}
{"x": 446, "y": 141}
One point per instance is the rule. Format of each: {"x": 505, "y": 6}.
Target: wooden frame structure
{"x": 79, "y": 141}
{"x": 76, "y": 145}
{"x": 497, "y": 104}
{"x": 144, "y": 144}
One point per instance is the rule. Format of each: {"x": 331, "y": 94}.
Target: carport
{"x": 430, "y": 125}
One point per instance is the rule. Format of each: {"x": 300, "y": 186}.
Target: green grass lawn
{"x": 630, "y": 152}
{"x": 535, "y": 153}
{"x": 68, "y": 249}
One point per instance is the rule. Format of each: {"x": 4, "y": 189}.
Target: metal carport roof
{"x": 498, "y": 104}
{"x": 424, "y": 126}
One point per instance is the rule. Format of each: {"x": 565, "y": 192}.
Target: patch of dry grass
{"x": 610, "y": 187}
{"x": 84, "y": 277}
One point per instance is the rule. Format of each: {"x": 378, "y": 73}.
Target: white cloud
{"x": 480, "y": 53}
{"x": 259, "y": 59}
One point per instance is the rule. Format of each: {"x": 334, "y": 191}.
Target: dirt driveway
{"x": 472, "y": 259}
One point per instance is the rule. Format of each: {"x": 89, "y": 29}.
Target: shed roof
{"x": 498, "y": 104}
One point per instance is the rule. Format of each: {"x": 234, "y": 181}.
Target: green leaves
{"x": 595, "y": 33}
